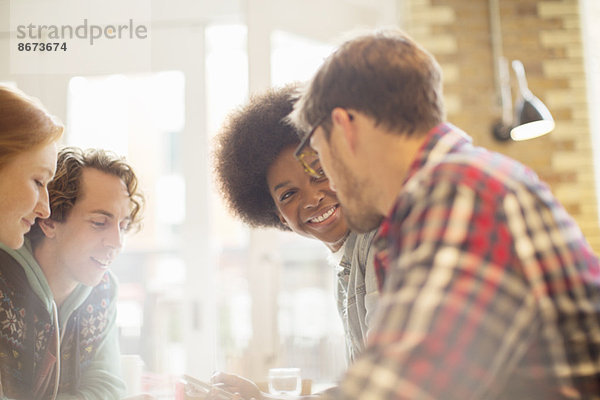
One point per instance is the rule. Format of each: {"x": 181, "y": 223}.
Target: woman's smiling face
{"x": 306, "y": 205}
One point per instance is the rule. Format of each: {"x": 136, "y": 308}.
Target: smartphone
{"x": 204, "y": 388}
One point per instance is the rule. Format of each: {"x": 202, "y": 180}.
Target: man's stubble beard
{"x": 359, "y": 212}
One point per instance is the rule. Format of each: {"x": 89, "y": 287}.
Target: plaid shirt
{"x": 490, "y": 290}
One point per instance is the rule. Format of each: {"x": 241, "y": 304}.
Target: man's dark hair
{"x": 385, "y": 75}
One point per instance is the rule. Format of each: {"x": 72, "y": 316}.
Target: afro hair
{"x": 251, "y": 139}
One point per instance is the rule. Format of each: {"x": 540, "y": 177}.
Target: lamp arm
{"x": 500, "y": 64}
{"x": 517, "y": 66}
{"x": 505, "y": 94}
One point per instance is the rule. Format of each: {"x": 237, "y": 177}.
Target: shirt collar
{"x": 439, "y": 141}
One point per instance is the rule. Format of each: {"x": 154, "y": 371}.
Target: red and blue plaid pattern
{"x": 489, "y": 289}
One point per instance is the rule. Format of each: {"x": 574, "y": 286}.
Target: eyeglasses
{"x": 307, "y": 156}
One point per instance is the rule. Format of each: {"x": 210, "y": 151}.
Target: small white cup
{"x": 132, "y": 367}
{"x": 285, "y": 381}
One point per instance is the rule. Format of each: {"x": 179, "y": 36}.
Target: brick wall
{"x": 546, "y": 36}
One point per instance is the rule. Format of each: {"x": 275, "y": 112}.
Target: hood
{"x": 39, "y": 284}
{"x": 35, "y": 275}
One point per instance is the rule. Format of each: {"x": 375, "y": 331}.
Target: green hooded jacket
{"x": 90, "y": 358}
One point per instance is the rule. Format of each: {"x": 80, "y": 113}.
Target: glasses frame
{"x": 303, "y": 150}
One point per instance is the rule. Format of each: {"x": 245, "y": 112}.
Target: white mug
{"x": 132, "y": 367}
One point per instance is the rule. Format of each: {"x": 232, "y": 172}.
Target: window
{"x": 275, "y": 301}
{"x": 591, "y": 34}
{"x": 199, "y": 290}
{"x": 141, "y": 117}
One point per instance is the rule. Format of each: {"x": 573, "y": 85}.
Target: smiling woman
{"x": 27, "y": 163}
{"x": 273, "y": 190}
{"x": 305, "y": 204}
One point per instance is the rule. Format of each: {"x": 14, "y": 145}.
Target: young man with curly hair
{"x": 265, "y": 186}
{"x": 58, "y": 337}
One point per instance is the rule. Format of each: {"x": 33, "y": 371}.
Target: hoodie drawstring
{"x": 58, "y": 355}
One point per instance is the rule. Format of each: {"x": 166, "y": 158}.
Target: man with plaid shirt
{"x": 489, "y": 289}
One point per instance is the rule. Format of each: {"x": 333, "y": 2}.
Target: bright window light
{"x": 287, "y": 66}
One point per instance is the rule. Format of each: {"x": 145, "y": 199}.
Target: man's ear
{"x": 342, "y": 119}
{"x": 48, "y": 226}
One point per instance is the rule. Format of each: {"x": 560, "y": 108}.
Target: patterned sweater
{"x": 89, "y": 351}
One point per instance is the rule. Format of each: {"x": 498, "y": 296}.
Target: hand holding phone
{"x": 239, "y": 385}
{"x": 206, "y": 390}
